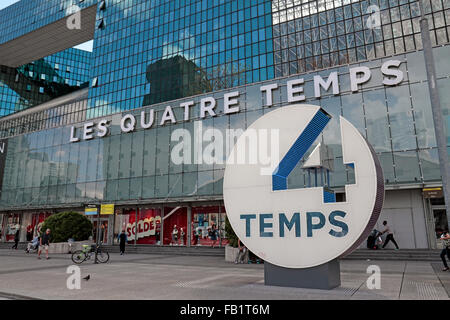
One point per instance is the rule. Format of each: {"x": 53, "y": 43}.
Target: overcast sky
{"x": 84, "y": 46}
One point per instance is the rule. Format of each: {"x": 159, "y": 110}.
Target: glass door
{"x": 1, "y": 227}
{"x": 208, "y": 226}
{"x": 103, "y": 232}
{"x": 11, "y": 226}
{"x": 440, "y": 219}
{"x": 175, "y": 226}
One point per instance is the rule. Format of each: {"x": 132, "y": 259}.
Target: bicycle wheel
{"x": 78, "y": 256}
{"x": 102, "y": 256}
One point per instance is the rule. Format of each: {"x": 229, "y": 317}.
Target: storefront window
{"x": 104, "y": 231}
{"x": 175, "y": 226}
{"x": 208, "y": 226}
{"x": 440, "y": 221}
{"x": 11, "y": 224}
{"x": 1, "y": 227}
{"x": 37, "y": 220}
{"x": 122, "y": 222}
{"x": 148, "y": 227}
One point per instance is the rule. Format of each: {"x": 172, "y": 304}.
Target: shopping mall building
{"x": 81, "y": 129}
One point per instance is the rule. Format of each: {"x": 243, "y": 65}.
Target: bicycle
{"x": 80, "y": 256}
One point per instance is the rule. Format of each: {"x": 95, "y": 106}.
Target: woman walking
{"x": 445, "y": 237}
{"x": 16, "y": 239}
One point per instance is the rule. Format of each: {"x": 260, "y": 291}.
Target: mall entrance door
{"x": 439, "y": 217}
{"x": 104, "y": 232}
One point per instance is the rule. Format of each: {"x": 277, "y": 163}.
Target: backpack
{"x": 446, "y": 242}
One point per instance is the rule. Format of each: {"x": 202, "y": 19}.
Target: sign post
{"x": 92, "y": 210}
{"x": 326, "y": 276}
{"x": 436, "y": 110}
{"x": 300, "y": 233}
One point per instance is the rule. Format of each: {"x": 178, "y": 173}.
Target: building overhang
{"x": 48, "y": 40}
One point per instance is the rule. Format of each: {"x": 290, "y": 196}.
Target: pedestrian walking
{"x": 123, "y": 238}
{"x": 213, "y": 235}
{"x": 445, "y": 237}
{"x": 158, "y": 234}
{"x": 242, "y": 254}
{"x": 16, "y": 239}
{"x": 195, "y": 236}
{"x": 44, "y": 243}
{"x": 102, "y": 234}
{"x": 390, "y": 235}
{"x": 29, "y": 233}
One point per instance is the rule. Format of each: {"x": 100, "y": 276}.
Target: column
{"x": 189, "y": 226}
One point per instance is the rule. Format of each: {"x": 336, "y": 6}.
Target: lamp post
{"x": 436, "y": 110}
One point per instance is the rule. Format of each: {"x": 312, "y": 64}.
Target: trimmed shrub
{"x": 68, "y": 225}
{"x": 232, "y": 237}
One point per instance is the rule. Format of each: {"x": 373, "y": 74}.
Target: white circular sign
{"x": 299, "y": 228}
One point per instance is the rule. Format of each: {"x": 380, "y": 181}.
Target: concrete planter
{"x": 231, "y": 253}
{"x": 65, "y": 247}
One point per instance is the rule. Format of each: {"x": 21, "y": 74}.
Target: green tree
{"x": 66, "y": 225}
{"x": 232, "y": 237}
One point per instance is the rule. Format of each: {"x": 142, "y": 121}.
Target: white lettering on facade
{"x": 268, "y": 89}
{"x": 168, "y": 115}
{"x": 387, "y": 70}
{"x": 187, "y": 106}
{"x": 147, "y": 125}
{"x": 128, "y": 123}
{"x": 355, "y": 80}
{"x": 228, "y": 102}
{"x": 73, "y": 138}
{"x": 102, "y": 128}
{"x": 332, "y": 81}
{"x": 390, "y": 70}
{"x": 293, "y": 90}
{"x": 88, "y": 131}
{"x": 207, "y": 105}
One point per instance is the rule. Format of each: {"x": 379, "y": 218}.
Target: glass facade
{"x": 26, "y": 16}
{"x": 149, "y": 54}
{"x": 43, "y": 80}
{"x": 161, "y": 47}
{"x": 310, "y": 35}
{"x": 149, "y": 51}
{"x": 71, "y": 111}
{"x": 43, "y": 168}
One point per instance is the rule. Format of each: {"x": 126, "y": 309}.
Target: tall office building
{"x": 43, "y": 80}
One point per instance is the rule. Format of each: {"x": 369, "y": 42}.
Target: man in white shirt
{"x": 390, "y": 235}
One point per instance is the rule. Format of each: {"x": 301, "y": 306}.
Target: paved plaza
{"x": 145, "y": 276}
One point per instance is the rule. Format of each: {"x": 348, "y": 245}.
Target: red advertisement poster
{"x": 12, "y": 224}
{"x": 147, "y": 230}
{"x": 175, "y": 226}
{"x": 37, "y": 221}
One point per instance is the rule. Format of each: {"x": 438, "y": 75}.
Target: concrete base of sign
{"x": 326, "y": 276}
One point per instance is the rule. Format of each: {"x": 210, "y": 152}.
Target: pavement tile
{"x": 144, "y": 276}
